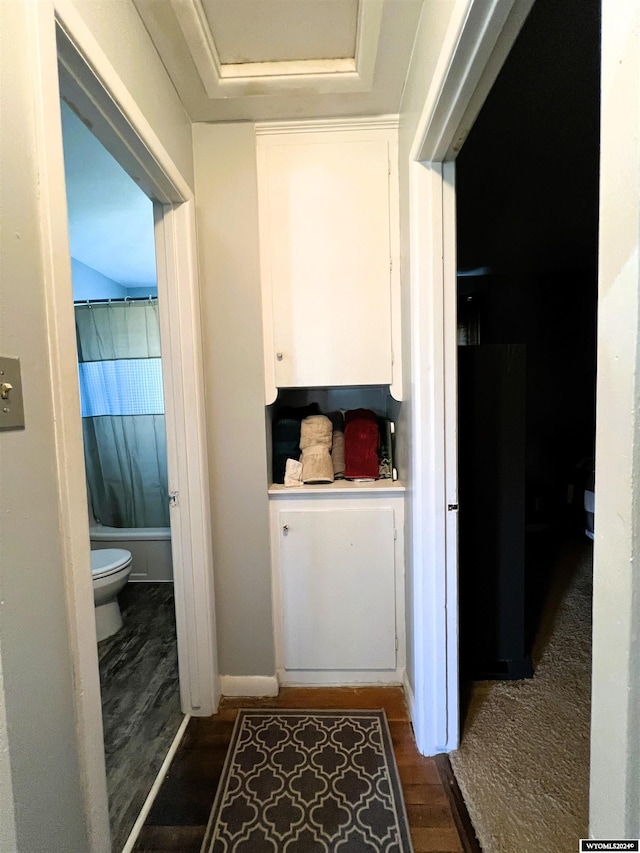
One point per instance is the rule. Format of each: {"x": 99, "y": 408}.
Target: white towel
{"x": 293, "y": 473}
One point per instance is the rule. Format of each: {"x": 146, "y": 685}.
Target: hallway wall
{"x": 48, "y": 801}
{"x": 227, "y": 217}
{"x": 615, "y": 705}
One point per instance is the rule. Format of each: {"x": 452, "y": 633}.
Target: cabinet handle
{"x": 285, "y": 529}
{"x": 279, "y": 356}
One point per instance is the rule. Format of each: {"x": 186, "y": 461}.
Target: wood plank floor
{"x": 179, "y": 815}
{"x": 140, "y": 700}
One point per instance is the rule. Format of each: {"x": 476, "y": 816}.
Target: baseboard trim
{"x": 340, "y": 678}
{"x": 249, "y": 685}
{"x": 148, "y": 803}
{"x": 409, "y": 696}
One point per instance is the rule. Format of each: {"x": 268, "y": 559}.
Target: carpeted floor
{"x": 523, "y": 763}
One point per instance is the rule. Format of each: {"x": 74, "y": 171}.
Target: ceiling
{"x": 260, "y": 60}
{"x": 315, "y": 30}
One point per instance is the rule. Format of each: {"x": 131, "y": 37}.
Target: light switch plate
{"x": 11, "y": 407}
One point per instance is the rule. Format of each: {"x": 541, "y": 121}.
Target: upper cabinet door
{"x": 326, "y": 258}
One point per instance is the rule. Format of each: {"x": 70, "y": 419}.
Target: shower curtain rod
{"x": 116, "y": 299}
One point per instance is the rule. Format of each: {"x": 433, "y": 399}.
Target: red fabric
{"x": 361, "y": 438}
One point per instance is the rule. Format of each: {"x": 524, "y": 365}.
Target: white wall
{"x": 227, "y": 218}
{"x": 615, "y": 738}
{"x": 91, "y": 284}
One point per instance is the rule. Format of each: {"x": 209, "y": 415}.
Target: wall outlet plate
{"x": 11, "y": 406}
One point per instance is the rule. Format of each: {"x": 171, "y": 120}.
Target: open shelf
{"x": 377, "y": 486}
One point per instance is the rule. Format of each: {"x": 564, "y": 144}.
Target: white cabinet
{"x": 329, "y": 248}
{"x": 328, "y": 243}
{"x": 338, "y": 584}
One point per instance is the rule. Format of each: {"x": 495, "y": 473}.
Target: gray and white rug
{"x": 309, "y": 782}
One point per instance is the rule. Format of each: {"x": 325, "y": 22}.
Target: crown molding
{"x": 274, "y": 128}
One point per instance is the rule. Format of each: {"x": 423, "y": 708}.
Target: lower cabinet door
{"x": 337, "y": 589}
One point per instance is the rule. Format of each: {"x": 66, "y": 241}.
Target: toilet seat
{"x": 108, "y": 561}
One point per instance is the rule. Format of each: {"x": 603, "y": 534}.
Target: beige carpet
{"x": 523, "y": 763}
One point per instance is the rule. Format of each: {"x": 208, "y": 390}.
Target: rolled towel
{"x": 337, "y": 445}
{"x": 316, "y": 430}
{"x": 316, "y": 465}
{"x": 361, "y": 438}
{"x": 337, "y": 454}
{"x": 286, "y": 445}
{"x": 316, "y": 435}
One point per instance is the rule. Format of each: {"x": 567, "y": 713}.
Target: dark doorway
{"x": 527, "y": 213}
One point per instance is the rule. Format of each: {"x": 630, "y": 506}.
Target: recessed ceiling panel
{"x": 282, "y": 30}
{"x": 253, "y": 30}
{"x": 234, "y": 60}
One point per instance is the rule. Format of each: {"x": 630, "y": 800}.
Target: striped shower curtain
{"x": 120, "y": 374}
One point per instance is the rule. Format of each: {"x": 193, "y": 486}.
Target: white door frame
{"x": 478, "y": 40}
{"x": 90, "y": 82}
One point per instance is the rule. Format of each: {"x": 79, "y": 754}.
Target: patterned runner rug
{"x": 309, "y": 782}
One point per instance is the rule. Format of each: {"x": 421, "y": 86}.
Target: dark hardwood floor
{"x": 178, "y": 818}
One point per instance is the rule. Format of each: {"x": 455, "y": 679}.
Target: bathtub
{"x": 150, "y": 548}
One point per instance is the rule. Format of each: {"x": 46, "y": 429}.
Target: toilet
{"x": 110, "y": 569}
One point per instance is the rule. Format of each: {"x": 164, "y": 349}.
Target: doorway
{"x": 473, "y": 62}
{"x": 116, "y": 309}
{"x": 88, "y": 82}
{"x": 527, "y": 191}
{"x": 527, "y": 229}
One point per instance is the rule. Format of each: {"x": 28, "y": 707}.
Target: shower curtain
{"x": 120, "y": 374}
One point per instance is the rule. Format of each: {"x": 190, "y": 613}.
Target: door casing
{"x": 478, "y": 40}
{"x": 78, "y": 69}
